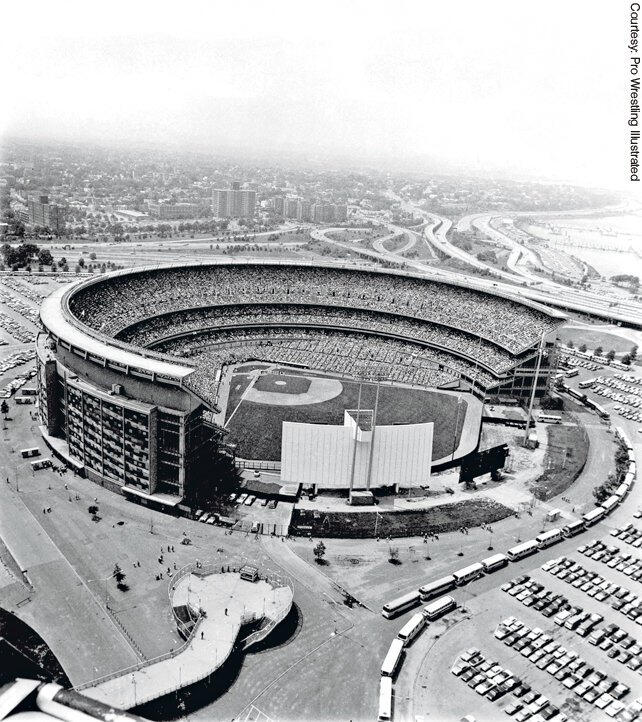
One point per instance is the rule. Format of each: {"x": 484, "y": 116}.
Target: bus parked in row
{"x": 574, "y": 528}
{"x": 385, "y": 699}
{"x": 411, "y": 628}
{"x": 522, "y": 550}
{"x": 392, "y": 659}
{"x": 436, "y": 609}
{"x": 28, "y": 453}
{"x": 610, "y": 503}
{"x": 401, "y": 604}
{"x": 467, "y": 574}
{"x": 593, "y": 516}
{"x": 495, "y": 562}
{"x": 434, "y": 589}
{"x": 586, "y": 384}
{"x": 548, "y": 538}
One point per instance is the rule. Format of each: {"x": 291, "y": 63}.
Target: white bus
{"x": 385, "y": 699}
{"x": 549, "y": 419}
{"x": 434, "y": 589}
{"x": 438, "y": 607}
{"x": 593, "y": 516}
{"x": 522, "y": 550}
{"x": 401, "y": 604}
{"x": 585, "y": 384}
{"x": 27, "y": 453}
{"x": 610, "y": 503}
{"x": 411, "y": 628}
{"x": 622, "y": 490}
{"x": 467, "y": 574}
{"x": 495, "y": 562}
{"x": 548, "y": 538}
{"x": 393, "y": 657}
{"x": 571, "y": 372}
{"x": 574, "y": 528}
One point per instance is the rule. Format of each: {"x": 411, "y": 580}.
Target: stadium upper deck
{"x": 112, "y": 303}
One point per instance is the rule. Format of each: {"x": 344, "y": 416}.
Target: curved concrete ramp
{"x": 228, "y": 602}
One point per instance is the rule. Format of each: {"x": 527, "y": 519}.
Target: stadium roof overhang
{"x": 59, "y": 324}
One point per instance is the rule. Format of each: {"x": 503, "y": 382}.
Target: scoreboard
{"x": 488, "y": 461}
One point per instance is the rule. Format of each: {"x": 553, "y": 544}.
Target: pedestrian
{"x": 202, "y": 635}
{"x": 226, "y": 611}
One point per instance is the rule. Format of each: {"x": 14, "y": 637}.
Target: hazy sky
{"x": 532, "y": 87}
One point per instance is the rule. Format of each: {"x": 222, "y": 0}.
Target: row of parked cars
{"x": 249, "y": 499}
{"x": 611, "y": 639}
{"x": 614, "y": 558}
{"x": 629, "y": 534}
{"x": 567, "y": 666}
{"x": 12, "y": 386}
{"x": 575, "y": 362}
{"x": 489, "y": 679}
{"x": 620, "y": 598}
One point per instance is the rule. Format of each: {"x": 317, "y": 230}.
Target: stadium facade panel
{"x": 139, "y": 419}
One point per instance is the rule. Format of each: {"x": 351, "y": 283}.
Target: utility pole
{"x": 354, "y": 448}
{"x": 532, "y": 399}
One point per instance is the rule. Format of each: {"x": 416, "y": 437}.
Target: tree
{"x": 570, "y": 343}
{"x": 81, "y": 262}
{"x": 92, "y": 256}
{"x": 548, "y": 402}
{"x": 633, "y": 352}
{"x": 4, "y": 408}
{"x": 44, "y": 257}
{"x": 120, "y": 576}
{"x": 598, "y": 351}
{"x": 626, "y": 359}
{"x": 319, "y": 552}
{"x": 393, "y": 555}
{"x": 583, "y": 348}
{"x": 610, "y": 354}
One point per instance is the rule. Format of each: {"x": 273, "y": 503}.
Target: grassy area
{"x": 436, "y": 520}
{"x": 593, "y": 339}
{"x": 394, "y": 244}
{"x": 564, "y": 460}
{"x": 257, "y": 427}
{"x": 282, "y": 384}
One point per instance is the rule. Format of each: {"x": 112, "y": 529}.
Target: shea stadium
{"x": 144, "y": 373}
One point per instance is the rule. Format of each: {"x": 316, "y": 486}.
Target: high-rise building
{"x": 234, "y": 202}
{"x": 43, "y": 213}
{"x": 290, "y": 207}
{"x": 303, "y": 210}
{"x": 279, "y": 204}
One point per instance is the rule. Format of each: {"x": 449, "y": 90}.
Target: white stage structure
{"x": 357, "y": 455}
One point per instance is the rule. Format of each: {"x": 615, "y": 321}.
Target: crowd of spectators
{"x": 348, "y": 354}
{"x": 153, "y": 330}
{"x": 112, "y": 305}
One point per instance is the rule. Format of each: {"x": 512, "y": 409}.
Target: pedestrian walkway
{"x": 226, "y": 603}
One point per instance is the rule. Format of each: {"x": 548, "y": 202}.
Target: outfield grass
{"x": 564, "y": 460}
{"x": 257, "y": 427}
{"x": 282, "y": 384}
{"x": 435, "y": 520}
